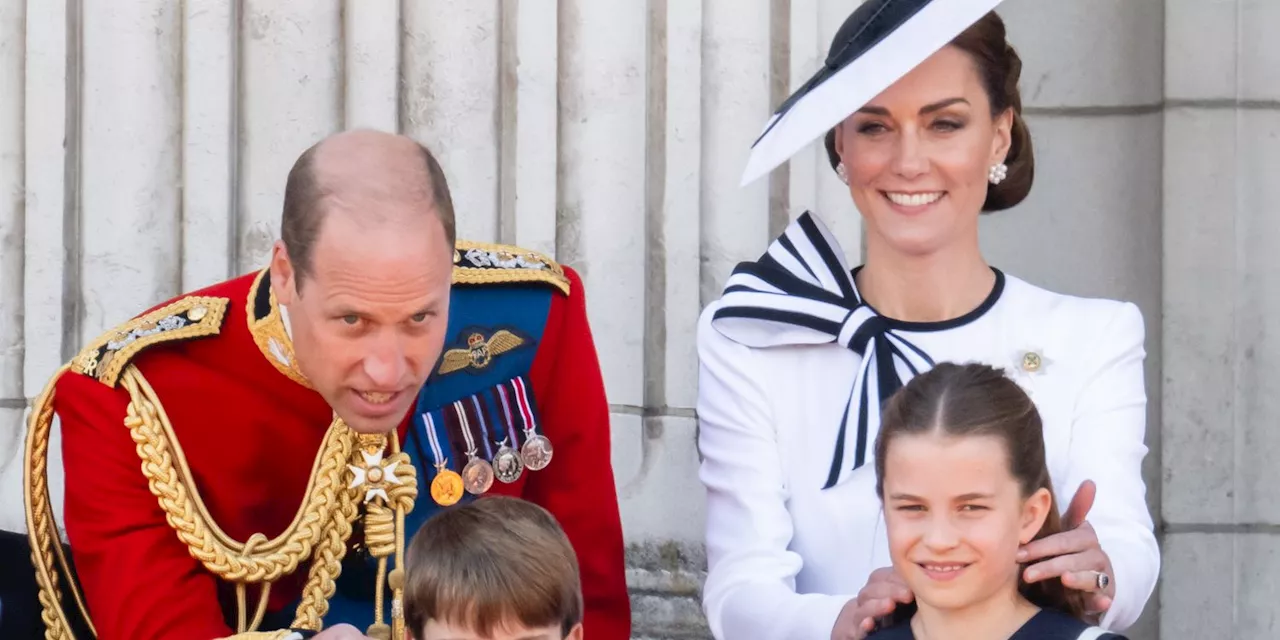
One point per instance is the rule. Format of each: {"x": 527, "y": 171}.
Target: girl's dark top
{"x": 1046, "y": 625}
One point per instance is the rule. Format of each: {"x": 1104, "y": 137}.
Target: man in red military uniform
{"x": 249, "y": 459}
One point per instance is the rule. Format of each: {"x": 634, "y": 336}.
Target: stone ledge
{"x": 665, "y": 581}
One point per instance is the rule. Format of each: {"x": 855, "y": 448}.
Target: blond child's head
{"x": 496, "y": 569}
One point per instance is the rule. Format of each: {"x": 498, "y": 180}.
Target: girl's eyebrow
{"x": 963, "y": 498}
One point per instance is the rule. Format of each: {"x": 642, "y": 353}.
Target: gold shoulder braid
{"x": 186, "y": 318}
{"x": 483, "y": 263}
{"x": 319, "y": 531}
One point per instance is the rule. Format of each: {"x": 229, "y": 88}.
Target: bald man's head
{"x": 378, "y": 178}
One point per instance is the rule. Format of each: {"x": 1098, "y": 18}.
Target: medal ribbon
{"x": 505, "y": 401}
{"x": 801, "y": 292}
{"x": 454, "y": 426}
{"x": 464, "y": 425}
{"x": 484, "y": 426}
{"x": 433, "y": 437}
{"x": 526, "y": 410}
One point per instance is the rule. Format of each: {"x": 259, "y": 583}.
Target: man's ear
{"x": 283, "y": 275}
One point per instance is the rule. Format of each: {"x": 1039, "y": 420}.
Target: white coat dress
{"x": 794, "y": 530}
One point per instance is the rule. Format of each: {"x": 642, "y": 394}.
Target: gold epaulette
{"x": 190, "y": 317}
{"x": 482, "y": 263}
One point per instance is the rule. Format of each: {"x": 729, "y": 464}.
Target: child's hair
{"x": 978, "y": 400}
{"x": 495, "y": 561}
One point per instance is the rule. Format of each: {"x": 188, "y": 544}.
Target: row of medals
{"x": 478, "y": 475}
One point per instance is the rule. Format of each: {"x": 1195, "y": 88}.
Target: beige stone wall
{"x": 143, "y": 148}
{"x": 1221, "y": 196}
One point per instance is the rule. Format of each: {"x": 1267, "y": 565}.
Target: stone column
{"x": 1221, "y": 298}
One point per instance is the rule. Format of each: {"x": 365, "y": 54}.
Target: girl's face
{"x": 917, "y": 156}
{"x": 956, "y": 517}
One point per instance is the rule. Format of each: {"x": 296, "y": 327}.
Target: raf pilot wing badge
{"x": 480, "y": 350}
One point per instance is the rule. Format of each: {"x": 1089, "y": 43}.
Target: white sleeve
{"x": 750, "y": 586}
{"x": 1107, "y": 447}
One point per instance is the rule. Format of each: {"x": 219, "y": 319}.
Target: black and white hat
{"x": 879, "y": 43}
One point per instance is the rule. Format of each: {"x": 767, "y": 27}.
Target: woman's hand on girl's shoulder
{"x": 884, "y": 591}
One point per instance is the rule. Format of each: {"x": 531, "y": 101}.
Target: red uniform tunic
{"x": 250, "y": 435}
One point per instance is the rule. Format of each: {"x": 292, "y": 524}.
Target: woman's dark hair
{"x": 978, "y": 400}
{"x": 999, "y": 68}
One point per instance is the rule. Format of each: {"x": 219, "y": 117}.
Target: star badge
{"x": 374, "y": 476}
{"x": 1029, "y": 364}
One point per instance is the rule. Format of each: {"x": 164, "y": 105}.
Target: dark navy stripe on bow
{"x": 801, "y": 291}
{"x": 865, "y": 28}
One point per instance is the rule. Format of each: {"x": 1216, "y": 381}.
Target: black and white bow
{"x": 801, "y": 292}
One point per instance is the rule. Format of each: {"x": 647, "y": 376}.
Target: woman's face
{"x": 917, "y": 155}
{"x": 956, "y": 517}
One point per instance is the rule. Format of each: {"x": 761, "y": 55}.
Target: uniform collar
{"x": 269, "y": 325}
{"x": 284, "y": 320}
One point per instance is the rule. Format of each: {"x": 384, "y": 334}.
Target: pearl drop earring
{"x": 997, "y": 173}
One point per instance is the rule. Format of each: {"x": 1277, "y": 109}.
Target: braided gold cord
{"x": 326, "y": 566}
{"x": 382, "y": 528}
{"x": 169, "y": 479}
{"x": 402, "y": 497}
{"x": 379, "y": 520}
{"x": 319, "y": 532}
{"x": 42, "y": 531}
{"x": 379, "y": 529}
{"x": 243, "y": 625}
{"x": 396, "y": 579}
{"x": 260, "y": 635}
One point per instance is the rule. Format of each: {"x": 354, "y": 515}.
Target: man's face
{"x": 369, "y": 320}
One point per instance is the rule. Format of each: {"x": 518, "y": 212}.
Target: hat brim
{"x": 850, "y": 88}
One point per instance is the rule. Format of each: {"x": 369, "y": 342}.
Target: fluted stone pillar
{"x": 1222, "y": 319}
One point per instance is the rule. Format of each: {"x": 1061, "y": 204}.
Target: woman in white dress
{"x": 919, "y": 101}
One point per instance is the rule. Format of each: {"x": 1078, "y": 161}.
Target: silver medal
{"x": 536, "y": 452}
{"x": 507, "y": 465}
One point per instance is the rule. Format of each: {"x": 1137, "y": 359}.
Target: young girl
{"x": 919, "y": 104}
{"x": 960, "y": 469}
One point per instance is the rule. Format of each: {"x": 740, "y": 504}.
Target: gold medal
{"x": 446, "y": 488}
{"x": 536, "y": 452}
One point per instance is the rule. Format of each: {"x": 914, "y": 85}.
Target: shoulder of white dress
{"x": 1037, "y": 301}
{"x": 712, "y": 344}
{"x": 707, "y": 337}
{"x": 1054, "y": 326}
